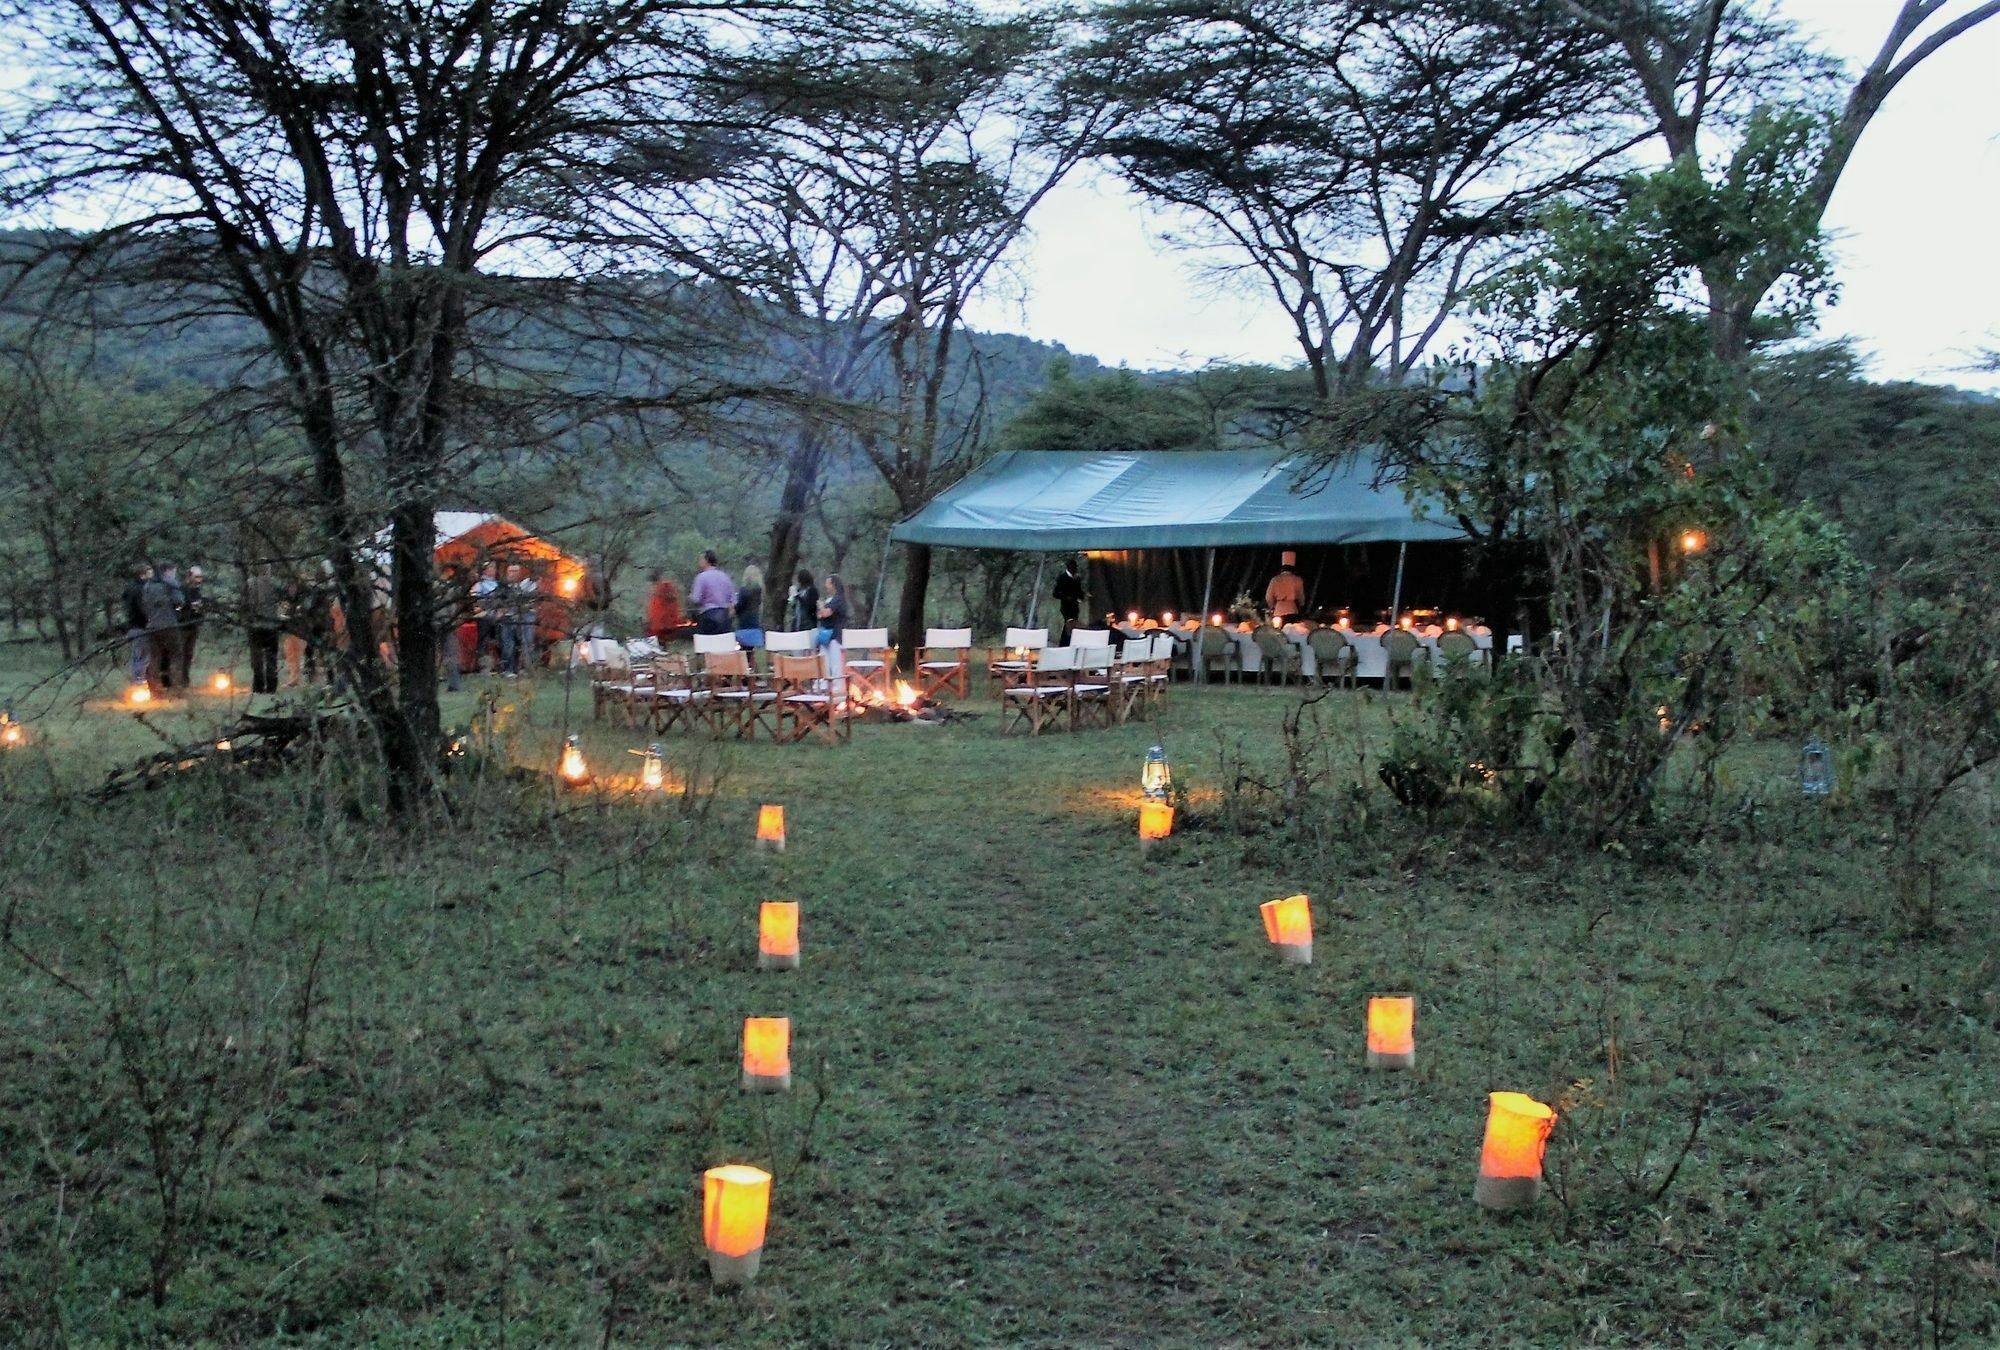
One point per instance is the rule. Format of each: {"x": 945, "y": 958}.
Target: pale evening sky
{"x": 1916, "y": 225}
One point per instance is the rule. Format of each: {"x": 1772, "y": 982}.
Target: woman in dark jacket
{"x": 833, "y": 615}
{"x": 804, "y": 614}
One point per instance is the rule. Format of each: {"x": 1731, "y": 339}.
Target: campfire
{"x": 903, "y": 704}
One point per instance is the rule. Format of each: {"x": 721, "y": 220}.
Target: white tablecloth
{"x": 1370, "y": 661}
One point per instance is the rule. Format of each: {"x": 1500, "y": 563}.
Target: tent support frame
{"x": 1207, "y": 591}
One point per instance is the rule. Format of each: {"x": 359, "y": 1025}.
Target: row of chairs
{"x": 1333, "y": 654}
{"x": 799, "y": 696}
{"x": 1074, "y": 687}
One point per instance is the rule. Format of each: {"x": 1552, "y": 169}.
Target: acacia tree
{"x": 908, "y": 163}
{"x": 1365, "y": 163}
{"x": 351, "y": 178}
{"x": 1697, "y": 68}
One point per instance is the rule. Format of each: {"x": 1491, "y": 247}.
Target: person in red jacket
{"x": 663, "y": 608}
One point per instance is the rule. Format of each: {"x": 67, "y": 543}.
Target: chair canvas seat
{"x": 856, "y": 664}
{"x": 1036, "y": 691}
{"x": 940, "y": 665}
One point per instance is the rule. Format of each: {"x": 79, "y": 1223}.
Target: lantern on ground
{"x": 1816, "y": 769}
{"x": 139, "y": 694}
{"x": 12, "y": 733}
{"x": 767, "y": 1054}
{"x": 1289, "y": 925}
{"x": 1693, "y": 541}
{"x": 1156, "y": 822}
{"x": 1510, "y": 1161}
{"x": 735, "y": 1207}
{"x": 1156, "y": 776}
{"x": 652, "y": 768}
{"x": 571, "y": 766}
{"x": 1392, "y": 1031}
{"x": 221, "y": 682}
{"x": 771, "y": 827}
{"x": 778, "y": 935}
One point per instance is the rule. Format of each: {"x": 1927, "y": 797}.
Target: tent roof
{"x": 476, "y": 532}
{"x": 1045, "y": 500}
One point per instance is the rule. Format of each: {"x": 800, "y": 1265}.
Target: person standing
{"x": 663, "y": 608}
{"x": 161, "y": 601}
{"x": 1069, "y": 597}
{"x": 833, "y": 615}
{"x": 261, "y": 620}
{"x": 713, "y": 596}
{"x": 194, "y": 608}
{"x": 750, "y": 610}
{"x": 1285, "y": 597}
{"x": 135, "y": 621}
{"x": 804, "y": 598}
{"x": 486, "y": 617}
{"x": 525, "y": 606}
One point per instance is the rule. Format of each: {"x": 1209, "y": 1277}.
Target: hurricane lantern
{"x": 222, "y": 683}
{"x": 1289, "y": 925}
{"x": 1156, "y": 776}
{"x": 1156, "y": 822}
{"x": 1694, "y": 541}
{"x": 12, "y": 733}
{"x": 778, "y": 935}
{"x": 735, "y": 1207}
{"x": 771, "y": 827}
{"x": 1510, "y": 1162}
{"x": 139, "y": 694}
{"x": 1392, "y": 1031}
{"x": 653, "y": 769}
{"x": 571, "y": 766}
{"x": 1816, "y": 769}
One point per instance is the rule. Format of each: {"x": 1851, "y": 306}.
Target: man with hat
{"x": 1285, "y": 597}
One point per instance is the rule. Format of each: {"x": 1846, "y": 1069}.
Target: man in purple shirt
{"x": 713, "y": 596}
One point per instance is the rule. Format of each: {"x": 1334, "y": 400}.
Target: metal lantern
{"x": 1156, "y": 778}
{"x": 652, "y": 768}
{"x": 1816, "y": 769}
{"x": 571, "y": 766}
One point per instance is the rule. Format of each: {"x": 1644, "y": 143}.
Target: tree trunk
{"x": 910, "y": 613}
{"x": 410, "y": 749}
{"x": 788, "y": 527}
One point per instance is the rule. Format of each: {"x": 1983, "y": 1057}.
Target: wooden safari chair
{"x": 945, "y": 662}
{"x": 1042, "y": 697}
{"x": 737, "y": 700}
{"x": 1092, "y": 702}
{"x": 808, "y": 701}
{"x": 870, "y": 662}
{"x": 1008, "y": 664}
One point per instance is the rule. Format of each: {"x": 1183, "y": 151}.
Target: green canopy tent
{"x": 1062, "y": 501}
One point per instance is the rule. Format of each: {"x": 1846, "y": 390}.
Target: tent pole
{"x": 1396, "y": 597}
{"x": 881, "y": 575}
{"x": 1034, "y": 597}
{"x": 1201, "y": 619}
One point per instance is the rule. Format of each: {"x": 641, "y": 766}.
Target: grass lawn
{"x": 1046, "y": 1091}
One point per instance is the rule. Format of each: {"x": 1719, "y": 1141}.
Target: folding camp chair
{"x": 1130, "y": 676}
{"x": 1042, "y": 698}
{"x": 807, "y": 700}
{"x": 737, "y": 700}
{"x": 944, "y": 661}
{"x": 1091, "y": 701}
{"x": 870, "y": 667}
{"x": 1007, "y": 665}
{"x": 1090, "y": 637}
{"x": 676, "y": 698}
